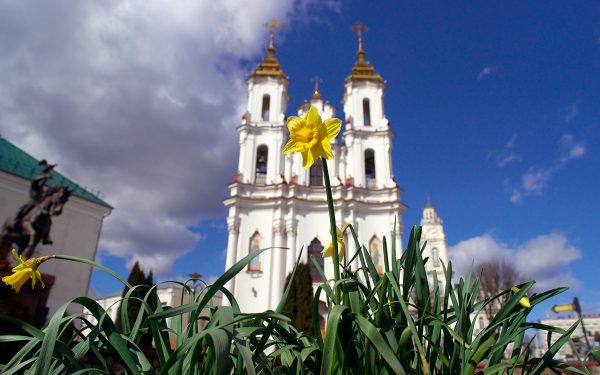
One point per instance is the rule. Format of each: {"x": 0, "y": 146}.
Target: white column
{"x": 399, "y": 229}
{"x": 233, "y": 224}
{"x": 288, "y": 167}
{"x": 291, "y": 253}
{"x": 277, "y": 268}
{"x": 243, "y": 156}
{"x": 388, "y": 155}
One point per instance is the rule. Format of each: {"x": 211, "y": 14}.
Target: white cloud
{"x": 570, "y": 149}
{"x": 571, "y": 111}
{"x": 507, "y": 154}
{"x": 536, "y": 179}
{"x": 137, "y": 99}
{"x": 545, "y": 258}
{"x": 486, "y": 71}
{"x": 477, "y": 249}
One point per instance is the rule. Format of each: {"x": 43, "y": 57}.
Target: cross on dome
{"x": 360, "y": 28}
{"x": 272, "y": 25}
{"x": 316, "y": 80}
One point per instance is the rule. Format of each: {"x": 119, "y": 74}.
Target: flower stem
{"x": 336, "y": 257}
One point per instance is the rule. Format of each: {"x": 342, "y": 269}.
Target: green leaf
{"x": 379, "y": 343}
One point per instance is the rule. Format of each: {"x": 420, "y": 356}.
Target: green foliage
{"x": 299, "y": 301}
{"x": 131, "y": 303}
{"x": 393, "y": 323}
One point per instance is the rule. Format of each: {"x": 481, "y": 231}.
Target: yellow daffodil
{"x": 23, "y": 271}
{"x": 328, "y": 251}
{"x": 311, "y": 137}
{"x": 524, "y": 301}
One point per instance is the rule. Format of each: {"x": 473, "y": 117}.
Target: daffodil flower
{"x": 524, "y": 301}
{"x": 328, "y": 251}
{"x": 23, "y": 271}
{"x": 311, "y": 137}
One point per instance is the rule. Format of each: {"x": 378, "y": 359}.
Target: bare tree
{"x": 496, "y": 276}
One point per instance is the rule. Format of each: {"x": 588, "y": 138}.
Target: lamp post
{"x": 574, "y": 306}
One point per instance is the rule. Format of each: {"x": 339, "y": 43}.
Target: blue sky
{"x": 494, "y": 106}
{"x": 479, "y": 95}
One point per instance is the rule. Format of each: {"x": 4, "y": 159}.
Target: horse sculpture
{"x": 35, "y": 225}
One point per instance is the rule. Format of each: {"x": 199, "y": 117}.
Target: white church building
{"x": 274, "y": 202}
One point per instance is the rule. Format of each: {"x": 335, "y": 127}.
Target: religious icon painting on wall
{"x": 255, "y": 246}
{"x": 376, "y": 253}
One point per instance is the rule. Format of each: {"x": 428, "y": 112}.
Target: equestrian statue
{"x": 33, "y": 221}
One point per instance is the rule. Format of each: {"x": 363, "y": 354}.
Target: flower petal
{"x": 312, "y": 118}
{"x": 307, "y": 159}
{"x": 326, "y": 149}
{"x": 317, "y": 151}
{"x": 341, "y": 248}
{"x": 328, "y": 251}
{"x": 293, "y": 146}
{"x": 333, "y": 126}
{"x": 16, "y": 280}
{"x": 293, "y": 122}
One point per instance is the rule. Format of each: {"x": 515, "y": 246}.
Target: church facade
{"x": 274, "y": 202}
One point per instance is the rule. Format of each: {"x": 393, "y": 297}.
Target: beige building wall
{"x": 76, "y": 232}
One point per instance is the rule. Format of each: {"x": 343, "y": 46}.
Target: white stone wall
{"x": 433, "y": 234}
{"x": 287, "y": 212}
{"x": 75, "y": 232}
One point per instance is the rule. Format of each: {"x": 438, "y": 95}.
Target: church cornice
{"x": 283, "y": 192}
{"x": 364, "y": 133}
{"x": 233, "y": 199}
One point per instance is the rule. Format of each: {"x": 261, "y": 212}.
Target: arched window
{"x": 314, "y": 249}
{"x": 376, "y": 253}
{"x": 266, "y": 104}
{"x": 435, "y": 254}
{"x": 366, "y": 112}
{"x": 370, "y": 167}
{"x": 255, "y": 245}
{"x": 315, "y": 174}
{"x": 262, "y": 157}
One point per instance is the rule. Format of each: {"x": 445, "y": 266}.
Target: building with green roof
{"x": 20, "y": 163}
{"x": 75, "y": 232}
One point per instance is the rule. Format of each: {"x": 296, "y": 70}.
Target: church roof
{"x": 269, "y": 66}
{"x": 363, "y": 70}
{"x": 18, "y": 162}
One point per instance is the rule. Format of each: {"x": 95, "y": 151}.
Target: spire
{"x": 359, "y": 28}
{"x": 430, "y": 215}
{"x": 272, "y": 25}
{"x": 269, "y": 66}
{"x": 316, "y": 80}
{"x": 362, "y": 70}
{"x": 428, "y": 200}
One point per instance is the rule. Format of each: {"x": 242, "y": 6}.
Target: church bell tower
{"x": 275, "y": 203}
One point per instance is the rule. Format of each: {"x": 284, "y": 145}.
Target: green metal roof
{"x": 16, "y": 161}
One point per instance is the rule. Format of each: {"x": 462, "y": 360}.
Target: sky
{"x": 494, "y": 106}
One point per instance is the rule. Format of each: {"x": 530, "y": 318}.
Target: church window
{"x": 266, "y": 103}
{"x": 481, "y": 323}
{"x": 262, "y": 156}
{"x": 255, "y": 246}
{"x": 376, "y": 251}
{"x": 366, "y": 112}
{"x": 316, "y": 174}
{"x": 436, "y": 257}
{"x": 314, "y": 250}
{"x": 370, "y": 167}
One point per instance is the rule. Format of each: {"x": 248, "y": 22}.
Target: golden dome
{"x": 362, "y": 69}
{"x": 269, "y": 66}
